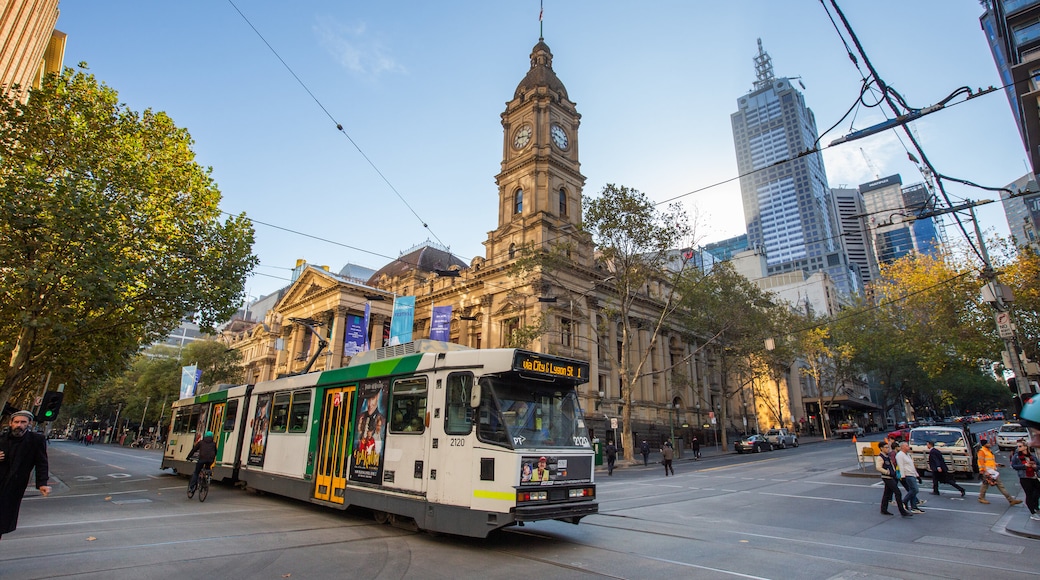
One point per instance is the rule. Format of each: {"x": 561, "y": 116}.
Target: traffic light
{"x": 50, "y": 405}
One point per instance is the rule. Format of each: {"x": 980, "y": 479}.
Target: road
{"x": 784, "y": 514}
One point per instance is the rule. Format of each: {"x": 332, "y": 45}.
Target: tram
{"x": 427, "y": 434}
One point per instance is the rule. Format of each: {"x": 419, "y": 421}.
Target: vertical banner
{"x": 188, "y": 381}
{"x": 440, "y": 324}
{"x": 402, "y": 321}
{"x": 260, "y": 423}
{"x": 353, "y": 335}
{"x": 367, "y": 460}
{"x": 368, "y": 325}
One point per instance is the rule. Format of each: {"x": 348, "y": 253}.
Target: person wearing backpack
{"x": 885, "y": 464}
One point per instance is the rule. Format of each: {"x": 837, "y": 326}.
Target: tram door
{"x": 334, "y": 445}
{"x": 216, "y": 424}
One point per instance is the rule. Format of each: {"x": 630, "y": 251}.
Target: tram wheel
{"x": 380, "y": 516}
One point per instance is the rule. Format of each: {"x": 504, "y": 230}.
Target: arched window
{"x": 563, "y": 202}
{"x": 518, "y": 205}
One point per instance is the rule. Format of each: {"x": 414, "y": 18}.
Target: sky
{"x": 419, "y": 88}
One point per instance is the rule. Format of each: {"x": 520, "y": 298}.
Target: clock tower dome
{"x": 540, "y": 185}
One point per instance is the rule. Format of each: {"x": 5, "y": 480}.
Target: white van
{"x": 958, "y": 445}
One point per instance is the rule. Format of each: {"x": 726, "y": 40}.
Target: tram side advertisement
{"x": 367, "y": 461}
{"x": 554, "y": 469}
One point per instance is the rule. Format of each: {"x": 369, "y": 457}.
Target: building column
{"x": 338, "y": 320}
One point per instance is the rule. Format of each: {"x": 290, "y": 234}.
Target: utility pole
{"x": 999, "y": 295}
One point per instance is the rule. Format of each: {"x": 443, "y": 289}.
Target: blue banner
{"x": 440, "y": 324}
{"x": 188, "y": 381}
{"x": 354, "y": 335}
{"x": 402, "y": 321}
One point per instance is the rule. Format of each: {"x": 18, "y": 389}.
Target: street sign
{"x": 613, "y": 422}
{"x": 1004, "y": 327}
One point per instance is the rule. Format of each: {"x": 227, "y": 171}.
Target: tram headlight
{"x": 581, "y": 492}
{"x": 522, "y": 496}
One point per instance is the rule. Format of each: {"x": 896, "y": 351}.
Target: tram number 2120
{"x": 458, "y": 442}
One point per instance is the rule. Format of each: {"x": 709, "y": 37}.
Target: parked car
{"x": 753, "y": 444}
{"x": 781, "y": 438}
{"x": 1009, "y": 433}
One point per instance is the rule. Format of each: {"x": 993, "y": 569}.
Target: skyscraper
{"x": 891, "y": 224}
{"x": 1013, "y": 34}
{"x": 855, "y": 233}
{"x": 787, "y": 204}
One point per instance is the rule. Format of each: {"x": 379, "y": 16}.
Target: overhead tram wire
{"x": 339, "y": 126}
{"x": 868, "y": 85}
{"x": 890, "y": 95}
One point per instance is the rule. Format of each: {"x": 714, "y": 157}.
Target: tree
{"x": 110, "y": 235}
{"x": 710, "y": 300}
{"x": 634, "y": 239}
{"x": 154, "y": 379}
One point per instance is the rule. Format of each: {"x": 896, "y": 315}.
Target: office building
{"x": 855, "y": 235}
{"x": 788, "y": 207}
{"x": 1012, "y": 29}
{"x": 891, "y": 220}
{"x": 1023, "y": 211}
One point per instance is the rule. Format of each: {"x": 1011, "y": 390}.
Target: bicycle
{"x": 202, "y": 486}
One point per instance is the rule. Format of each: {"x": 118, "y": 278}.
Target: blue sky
{"x": 419, "y": 88}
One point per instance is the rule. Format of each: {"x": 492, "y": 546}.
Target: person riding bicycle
{"x": 207, "y": 450}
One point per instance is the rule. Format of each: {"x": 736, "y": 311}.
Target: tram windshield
{"x": 529, "y": 415}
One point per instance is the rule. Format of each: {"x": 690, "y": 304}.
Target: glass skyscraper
{"x": 787, "y": 203}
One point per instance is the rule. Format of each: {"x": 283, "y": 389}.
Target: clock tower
{"x": 540, "y": 185}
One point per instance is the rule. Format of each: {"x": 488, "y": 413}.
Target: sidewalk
{"x": 708, "y": 453}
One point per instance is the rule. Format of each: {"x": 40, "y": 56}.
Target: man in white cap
{"x": 21, "y": 450}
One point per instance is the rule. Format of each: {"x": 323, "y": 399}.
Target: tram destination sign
{"x": 561, "y": 368}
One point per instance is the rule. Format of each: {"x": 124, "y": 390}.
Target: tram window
{"x": 230, "y": 415}
{"x": 280, "y": 412}
{"x": 409, "y": 406}
{"x": 193, "y": 419}
{"x": 180, "y": 421}
{"x": 489, "y": 426}
{"x": 459, "y": 417}
{"x": 299, "y": 411}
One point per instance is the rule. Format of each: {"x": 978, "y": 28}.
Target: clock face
{"x": 522, "y": 137}
{"x": 559, "y": 136}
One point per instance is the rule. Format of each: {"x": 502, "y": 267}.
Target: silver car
{"x": 1009, "y": 433}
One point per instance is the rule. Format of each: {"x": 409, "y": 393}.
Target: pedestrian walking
{"x": 990, "y": 476}
{"x": 911, "y": 479}
{"x": 1024, "y": 461}
{"x": 611, "y": 453}
{"x": 667, "y": 454}
{"x": 885, "y": 464}
{"x": 696, "y": 446}
{"x": 644, "y": 448}
{"x": 940, "y": 471}
{"x": 21, "y": 451}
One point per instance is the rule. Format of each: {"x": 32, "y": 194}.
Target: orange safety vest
{"x": 986, "y": 458}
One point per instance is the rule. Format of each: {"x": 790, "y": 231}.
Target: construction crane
{"x": 870, "y": 164}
